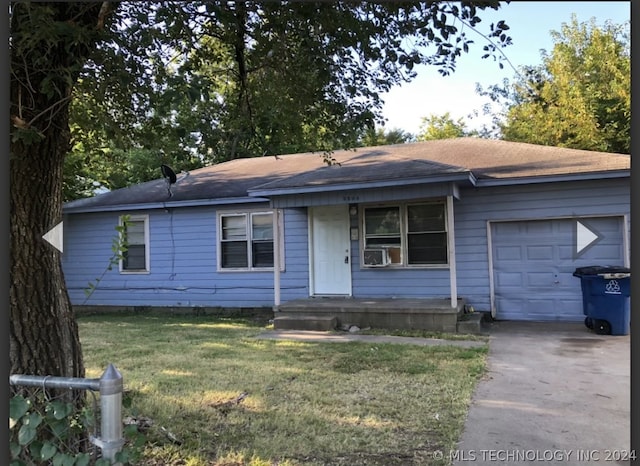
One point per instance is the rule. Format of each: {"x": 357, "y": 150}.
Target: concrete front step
{"x": 391, "y": 313}
{"x": 318, "y": 323}
{"x": 470, "y": 323}
{"x": 466, "y": 323}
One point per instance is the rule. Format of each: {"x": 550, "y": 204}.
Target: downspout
{"x": 625, "y": 240}
{"x": 276, "y": 257}
{"x": 451, "y": 239}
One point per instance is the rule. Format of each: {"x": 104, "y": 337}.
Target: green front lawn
{"x": 214, "y": 395}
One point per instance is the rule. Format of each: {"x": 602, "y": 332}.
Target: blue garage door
{"x": 534, "y": 261}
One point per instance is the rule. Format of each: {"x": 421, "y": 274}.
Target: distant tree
{"x": 443, "y": 127}
{"x": 579, "y": 97}
{"x": 382, "y": 137}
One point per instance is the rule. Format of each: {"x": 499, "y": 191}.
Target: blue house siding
{"x": 525, "y": 202}
{"x": 183, "y": 245}
{"x": 183, "y": 262}
{"x": 294, "y": 281}
{"x": 401, "y": 283}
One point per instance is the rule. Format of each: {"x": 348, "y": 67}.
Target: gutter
{"x": 486, "y": 182}
{"x": 163, "y": 205}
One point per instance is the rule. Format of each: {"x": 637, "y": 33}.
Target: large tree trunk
{"x": 43, "y": 333}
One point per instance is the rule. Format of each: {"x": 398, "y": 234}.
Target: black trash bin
{"x": 606, "y": 292}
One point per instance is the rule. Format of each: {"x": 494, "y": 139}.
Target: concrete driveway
{"x": 555, "y": 393}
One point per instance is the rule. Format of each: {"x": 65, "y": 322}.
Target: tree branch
{"x": 102, "y": 15}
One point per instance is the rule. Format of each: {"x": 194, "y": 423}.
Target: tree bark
{"x": 43, "y": 332}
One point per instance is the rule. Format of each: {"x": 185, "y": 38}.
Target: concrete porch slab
{"x": 389, "y": 313}
{"x": 317, "y": 323}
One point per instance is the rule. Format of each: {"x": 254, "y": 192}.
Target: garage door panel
{"x": 604, "y": 227}
{"x": 608, "y": 252}
{"x": 508, "y": 228}
{"x": 574, "y": 307}
{"x": 510, "y": 279}
{"x": 537, "y": 228}
{"x": 506, "y": 253}
{"x": 566, "y": 253}
{"x": 542, "y": 280}
{"x": 540, "y": 308}
{"x": 535, "y": 253}
{"x": 534, "y": 261}
{"x": 510, "y": 303}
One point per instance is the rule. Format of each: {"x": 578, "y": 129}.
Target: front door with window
{"x": 330, "y": 251}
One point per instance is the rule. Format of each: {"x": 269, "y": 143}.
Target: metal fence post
{"x": 111, "y": 386}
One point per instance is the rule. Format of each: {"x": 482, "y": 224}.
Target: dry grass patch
{"x": 217, "y": 396}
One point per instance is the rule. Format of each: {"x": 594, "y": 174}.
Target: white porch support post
{"x": 451, "y": 247}
{"x": 276, "y": 257}
{"x": 625, "y": 240}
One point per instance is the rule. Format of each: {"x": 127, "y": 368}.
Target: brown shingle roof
{"x": 485, "y": 159}
{"x": 504, "y": 159}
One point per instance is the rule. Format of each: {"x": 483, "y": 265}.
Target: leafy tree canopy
{"x": 195, "y": 83}
{"x": 443, "y": 127}
{"x": 382, "y": 137}
{"x": 579, "y": 97}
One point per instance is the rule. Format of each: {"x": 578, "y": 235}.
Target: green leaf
{"x": 63, "y": 459}
{"x": 47, "y": 451}
{"x": 61, "y": 409}
{"x": 35, "y": 448}
{"x": 59, "y": 428}
{"x": 15, "y": 449}
{"x": 103, "y": 462}
{"x": 18, "y": 406}
{"x": 123, "y": 456}
{"x": 26, "y": 434}
{"x": 82, "y": 459}
{"x": 33, "y": 420}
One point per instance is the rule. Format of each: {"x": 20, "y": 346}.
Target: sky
{"x": 530, "y": 25}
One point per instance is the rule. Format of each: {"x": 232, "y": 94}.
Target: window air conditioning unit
{"x": 376, "y": 258}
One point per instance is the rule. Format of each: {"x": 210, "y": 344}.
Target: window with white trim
{"x": 135, "y": 239}
{"x": 411, "y": 234}
{"x": 245, "y": 241}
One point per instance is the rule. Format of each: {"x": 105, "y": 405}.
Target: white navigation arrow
{"x": 585, "y": 237}
{"x": 54, "y": 237}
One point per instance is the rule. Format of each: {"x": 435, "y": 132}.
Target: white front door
{"x": 330, "y": 251}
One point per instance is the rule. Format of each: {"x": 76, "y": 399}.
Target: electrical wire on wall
{"x": 207, "y": 289}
